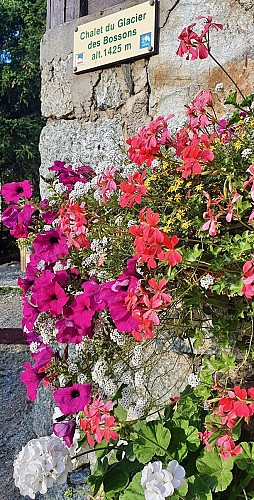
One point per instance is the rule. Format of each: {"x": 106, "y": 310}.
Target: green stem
{"x": 235, "y": 493}
{"x": 226, "y": 73}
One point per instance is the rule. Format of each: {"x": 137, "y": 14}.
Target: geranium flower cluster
{"x": 40, "y": 464}
{"x": 228, "y": 410}
{"x": 97, "y": 423}
{"x": 160, "y": 483}
{"x": 194, "y": 45}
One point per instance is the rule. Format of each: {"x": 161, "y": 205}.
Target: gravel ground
{"x": 9, "y": 274}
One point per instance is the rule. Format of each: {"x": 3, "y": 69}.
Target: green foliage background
{"x": 22, "y": 24}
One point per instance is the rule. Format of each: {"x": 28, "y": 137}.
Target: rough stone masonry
{"x": 90, "y": 115}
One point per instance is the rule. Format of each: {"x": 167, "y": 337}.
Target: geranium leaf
{"x": 116, "y": 478}
{"x": 245, "y": 460}
{"x": 134, "y": 491}
{"x": 215, "y": 471}
{"x": 152, "y": 439}
{"x": 198, "y": 489}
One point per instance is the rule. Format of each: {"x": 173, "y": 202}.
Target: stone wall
{"x": 90, "y": 115}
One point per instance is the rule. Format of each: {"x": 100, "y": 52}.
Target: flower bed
{"x": 129, "y": 263}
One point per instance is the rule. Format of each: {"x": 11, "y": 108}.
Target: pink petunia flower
{"x": 51, "y": 298}
{"x": 31, "y": 379}
{"x": 68, "y": 331}
{"x": 13, "y": 191}
{"x": 10, "y": 215}
{"x": 50, "y": 246}
{"x": 65, "y": 430}
{"x": 73, "y": 399}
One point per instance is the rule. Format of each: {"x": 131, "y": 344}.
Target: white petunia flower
{"x": 40, "y": 464}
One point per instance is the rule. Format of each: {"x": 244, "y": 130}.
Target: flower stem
{"x": 235, "y": 493}
{"x": 226, "y": 73}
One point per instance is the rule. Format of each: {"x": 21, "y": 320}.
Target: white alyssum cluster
{"x": 160, "y": 483}
{"x": 219, "y": 87}
{"x": 193, "y": 380}
{"x": 99, "y": 371}
{"x": 99, "y": 249}
{"x": 60, "y": 188}
{"x": 63, "y": 380}
{"x": 34, "y": 347}
{"x": 206, "y": 281}
{"x": 80, "y": 189}
{"x": 45, "y": 326}
{"x": 131, "y": 222}
{"x": 246, "y": 152}
{"x": 40, "y": 464}
{"x": 117, "y": 337}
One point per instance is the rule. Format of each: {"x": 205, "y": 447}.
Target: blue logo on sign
{"x": 80, "y": 58}
{"x": 145, "y": 40}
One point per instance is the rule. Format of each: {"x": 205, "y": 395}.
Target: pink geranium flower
{"x": 50, "y": 246}
{"x": 13, "y": 191}
{"x": 73, "y": 399}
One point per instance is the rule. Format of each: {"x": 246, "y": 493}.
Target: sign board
{"x": 126, "y": 34}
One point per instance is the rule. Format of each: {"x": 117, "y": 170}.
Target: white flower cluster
{"x": 206, "y": 281}
{"x": 45, "y": 326}
{"x": 117, "y": 337}
{"x": 193, "y": 380}
{"x": 60, "y": 188}
{"x": 40, "y": 464}
{"x": 246, "y": 153}
{"x": 219, "y": 87}
{"x": 99, "y": 249}
{"x": 131, "y": 223}
{"x": 99, "y": 246}
{"x": 99, "y": 371}
{"x": 161, "y": 483}
{"x": 80, "y": 189}
{"x": 34, "y": 347}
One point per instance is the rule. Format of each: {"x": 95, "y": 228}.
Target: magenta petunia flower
{"x": 86, "y": 304}
{"x": 69, "y": 177}
{"x": 30, "y": 314}
{"x": 65, "y": 430}
{"x": 50, "y": 246}
{"x": 68, "y": 332}
{"x": 73, "y": 399}
{"x": 51, "y": 298}
{"x": 24, "y": 220}
{"x": 10, "y": 215}
{"x": 31, "y": 379}
{"x": 114, "y": 294}
{"x": 42, "y": 357}
{"x": 13, "y": 191}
